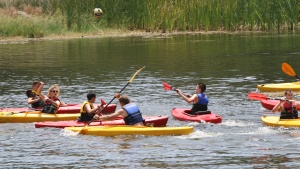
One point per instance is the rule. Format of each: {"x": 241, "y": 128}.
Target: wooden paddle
{"x": 286, "y": 68}
{"x": 112, "y": 98}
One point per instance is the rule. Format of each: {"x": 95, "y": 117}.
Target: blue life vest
{"x": 134, "y": 115}
{"x": 202, "y": 99}
{"x": 201, "y": 105}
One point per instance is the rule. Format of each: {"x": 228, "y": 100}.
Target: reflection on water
{"x": 230, "y": 64}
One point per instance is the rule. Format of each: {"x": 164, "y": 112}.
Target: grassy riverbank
{"x": 63, "y": 18}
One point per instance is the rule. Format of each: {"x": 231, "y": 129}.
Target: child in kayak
{"x": 199, "y": 99}
{"x": 130, "y": 112}
{"x": 87, "y": 110}
{"x": 287, "y": 106}
{"x": 33, "y": 97}
{"x": 52, "y": 102}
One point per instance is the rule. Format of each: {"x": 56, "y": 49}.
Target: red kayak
{"x": 269, "y": 104}
{"x": 207, "y": 116}
{"x": 156, "y": 121}
{"x": 71, "y": 108}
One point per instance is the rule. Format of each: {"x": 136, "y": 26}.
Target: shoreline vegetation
{"x": 61, "y": 19}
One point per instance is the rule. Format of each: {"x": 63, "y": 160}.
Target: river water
{"x": 230, "y": 64}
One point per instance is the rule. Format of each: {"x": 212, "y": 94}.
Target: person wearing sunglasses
{"x": 52, "y": 102}
{"x": 33, "y": 97}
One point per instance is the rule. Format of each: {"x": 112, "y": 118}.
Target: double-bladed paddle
{"x": 168, "y": 87}
{"x": 259, "y": 96}
{"x": 114, "y": 97}
{"x": 286, "y": 68}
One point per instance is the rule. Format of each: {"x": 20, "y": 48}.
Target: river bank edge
{"x": 111, "y": 33}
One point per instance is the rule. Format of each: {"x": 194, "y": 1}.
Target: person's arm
{"x": 39, "y": 91}
{"x": 88, "y": 109}
{"x": 63, "y": 104}
{"x": 277, "y": 107}
{"x": 191, "y": 99}
{"x": 297, "y": 104}
{"x": 32, "y": 100}
{"x": 54, "y": 103}
{"x": 112, "y": 116}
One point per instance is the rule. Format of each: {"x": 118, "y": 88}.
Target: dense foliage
{"x": 58, "y": 16}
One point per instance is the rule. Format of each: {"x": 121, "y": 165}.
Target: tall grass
{"x": 150, "y": 15}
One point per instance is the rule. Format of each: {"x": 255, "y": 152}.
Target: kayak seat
{"x": 189, "y": 113}
{"x": 202, "y": 112}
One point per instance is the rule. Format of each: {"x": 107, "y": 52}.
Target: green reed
{"x": 153, "y": 15}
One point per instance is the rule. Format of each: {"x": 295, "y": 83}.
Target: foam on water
{"x": 66, "y": 132}
{"x": 200, "y": 134}
{"x": 261, "y": 131}
{"x": 238, "y": 123}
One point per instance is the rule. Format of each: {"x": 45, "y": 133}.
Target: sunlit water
{"x": 230, "y": 65}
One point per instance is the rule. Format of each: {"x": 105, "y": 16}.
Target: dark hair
{"x": 286, "y": 91}
{"x": 202, "y": 86}
{"x": 35, "y": 83}
{"x": 124, "y": 99}
{"x": 29, "y": 93}
{"x": 90, "y": 96}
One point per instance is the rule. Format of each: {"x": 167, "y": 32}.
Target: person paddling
{"x": 33, "y": 97}
{"x": 199, "y": 99}
{"x": 88, "y": 110}
{"x": 130, "y": 112}
{"x": 287, "y": 106}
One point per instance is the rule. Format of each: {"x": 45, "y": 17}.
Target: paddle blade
{"x": 286, "y": 68}
{"x": 167, "y": 86}
{"x": 102, "y": 102}
{"x": 257, "y": 96}
{"x": 82, "y": 130}
{"x": 136, "y": 74}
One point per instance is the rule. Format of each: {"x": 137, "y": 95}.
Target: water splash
{"x": 66, "y": 132}
{"x": 200, "y": 134}
{"x": 238, "y": 123}
{"x": 261, "y": 131}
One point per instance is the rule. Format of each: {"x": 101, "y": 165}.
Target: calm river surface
{"x": 230, "y": 64}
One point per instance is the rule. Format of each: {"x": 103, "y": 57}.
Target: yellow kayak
{"x": 131, "y": 130}
{"x": 276, "y": 122}
{"x": 273, "y": 87}
{"x": 34, "y": 116}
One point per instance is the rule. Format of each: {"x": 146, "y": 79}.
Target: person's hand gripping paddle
{"x": 112, "y": 99}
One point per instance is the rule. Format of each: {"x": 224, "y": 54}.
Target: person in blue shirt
{"x": 199, "y": 99}
{"x": 130, "y": 112}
